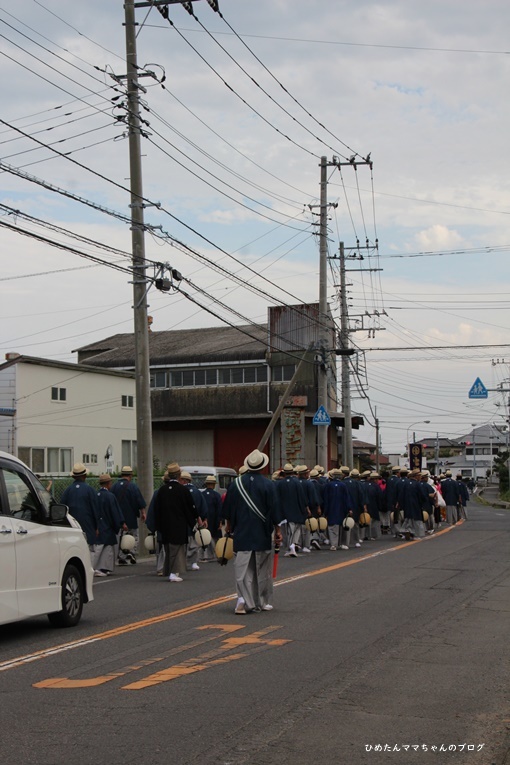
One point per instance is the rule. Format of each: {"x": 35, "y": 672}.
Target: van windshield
{"x": 198, "y": 479}
{"x": 223, "y": 480}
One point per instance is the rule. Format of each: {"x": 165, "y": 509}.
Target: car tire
{"x": 72, "y": 599}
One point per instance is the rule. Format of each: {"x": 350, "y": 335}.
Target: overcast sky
{"x": 233, "y": 158}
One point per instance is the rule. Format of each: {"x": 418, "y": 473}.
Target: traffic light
{"x": 356, "y": 422}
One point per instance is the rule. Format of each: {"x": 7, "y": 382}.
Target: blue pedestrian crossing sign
{"x": 478, "y": 390}
{"x": 321, "y": 417}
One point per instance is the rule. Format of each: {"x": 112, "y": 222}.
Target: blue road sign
{"x": 478, "y": 390}
{"x": 321, "y": 417}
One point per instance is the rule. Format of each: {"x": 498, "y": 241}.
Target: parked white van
{"x": 224, "y": 476}
{"x": 45, "y": 563}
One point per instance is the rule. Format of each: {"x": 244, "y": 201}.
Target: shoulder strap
{"x": 251, "y": 504}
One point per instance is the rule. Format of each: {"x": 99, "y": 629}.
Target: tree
{"x": 501, "y": 470}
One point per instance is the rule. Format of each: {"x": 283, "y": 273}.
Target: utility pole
{"x": 141, "y": 326}
{"x": 322, "y": 370}
{"x": 377, "y": 443}
{"x": 324, "y": 322}
{"x": 347, "y": 456}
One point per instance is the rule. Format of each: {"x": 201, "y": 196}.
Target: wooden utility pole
{"x": 140, "y": 285}
{"x": 322, "y": 369}
{"x": 347, "y": 456}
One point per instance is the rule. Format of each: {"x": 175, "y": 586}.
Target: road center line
{"x": 124, "y": 629}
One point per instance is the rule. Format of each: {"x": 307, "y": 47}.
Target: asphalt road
{"x": 372, "y": 656}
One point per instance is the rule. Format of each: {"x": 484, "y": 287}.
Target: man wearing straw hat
{"x": 132, "y": 505}
{"x": 252, "y": 512}
{"x": 174, "y": 514}
{"x": 83, "y": 504}
{"x": 293, "y": 506}
{"x": 111, "y": 521}
{"x": 214, "y": 514}
{"x": 193, "y": 550}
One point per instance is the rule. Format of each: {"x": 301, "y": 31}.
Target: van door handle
{"x": 21, "y": 531}
{"x": 3, "y": 530}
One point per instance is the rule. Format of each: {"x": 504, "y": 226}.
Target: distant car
{"x": 45, "y": 563}
{"x": 224, "y": 476}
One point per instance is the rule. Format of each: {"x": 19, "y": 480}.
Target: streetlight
{"x": 418, "y": 422}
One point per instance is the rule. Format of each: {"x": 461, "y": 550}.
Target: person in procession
{"x": 374, "y": 498}
{"x": 193, "y": 550}
{"x": 111, "y": 521}
{"x": 451, "y": 495}
{"x": 174, "y": 515}
{"x": 464, "y": 497}
{"x": 252, "y": 512}
{"x": 83, "y": 504}
{"x": 312, "y": 502}
{"x": 358, "y": 506}
{"x": 214, "y": 515}
{"x": 294, "y": 508}
{"x": 132, "y": 504}
{"x": 337, "y": 506}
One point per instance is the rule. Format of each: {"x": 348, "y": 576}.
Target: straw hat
{"x": 256, "y": 460}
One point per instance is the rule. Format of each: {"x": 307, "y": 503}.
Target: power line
{"x": 238, "y": 95}
{"x": 350, "y": 44}
{"x": 258, "y": 85}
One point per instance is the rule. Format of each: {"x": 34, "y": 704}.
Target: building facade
{"x": 214, "y": 390}
{"x": 53, "y": 414}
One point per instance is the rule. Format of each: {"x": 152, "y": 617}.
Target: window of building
{"x": 86, "y": 459}
{"x": 129, "y": 453}
{"x": 188, "y": 378}
{"x": 42, "y": 460}
{"x": 59, "y": 460}
{"x": 58, "y": 394}
{"x": 128, "y": 402}
{"x": 159, "y": 379}
{"x": 93, "y": 459}
{"x": 283, "y": 373}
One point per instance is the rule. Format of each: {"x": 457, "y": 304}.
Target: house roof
{"x": 442, "y": 442}
{"x": 484, "y": 434}
{"x": 40, "y": 362}
{"x": 362, "y": 445}
{"x": 181, "y": 346}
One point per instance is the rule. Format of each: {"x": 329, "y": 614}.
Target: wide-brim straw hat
{"x": 256, "y": 460}
{"x": 105, "y": 478}
{"x": 127, "y": 470}
{"x": 79, "y": 469}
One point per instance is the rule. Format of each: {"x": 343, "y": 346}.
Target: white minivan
{"x": 224, "y": 476}
{"x": 45, "y": 565}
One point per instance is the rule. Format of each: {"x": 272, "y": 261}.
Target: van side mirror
{"x": 58, "y": 513}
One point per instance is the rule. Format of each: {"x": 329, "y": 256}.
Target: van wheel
{"x": 72, "y": 599}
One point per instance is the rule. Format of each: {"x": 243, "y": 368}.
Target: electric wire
{"x": 167, "y": 212}
{"x": 258, "y": 85}
{"x": 296, "y": 101}
{"x": 238, "y": 95}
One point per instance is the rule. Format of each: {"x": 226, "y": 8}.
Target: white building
{"x": 53, "y": 414}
